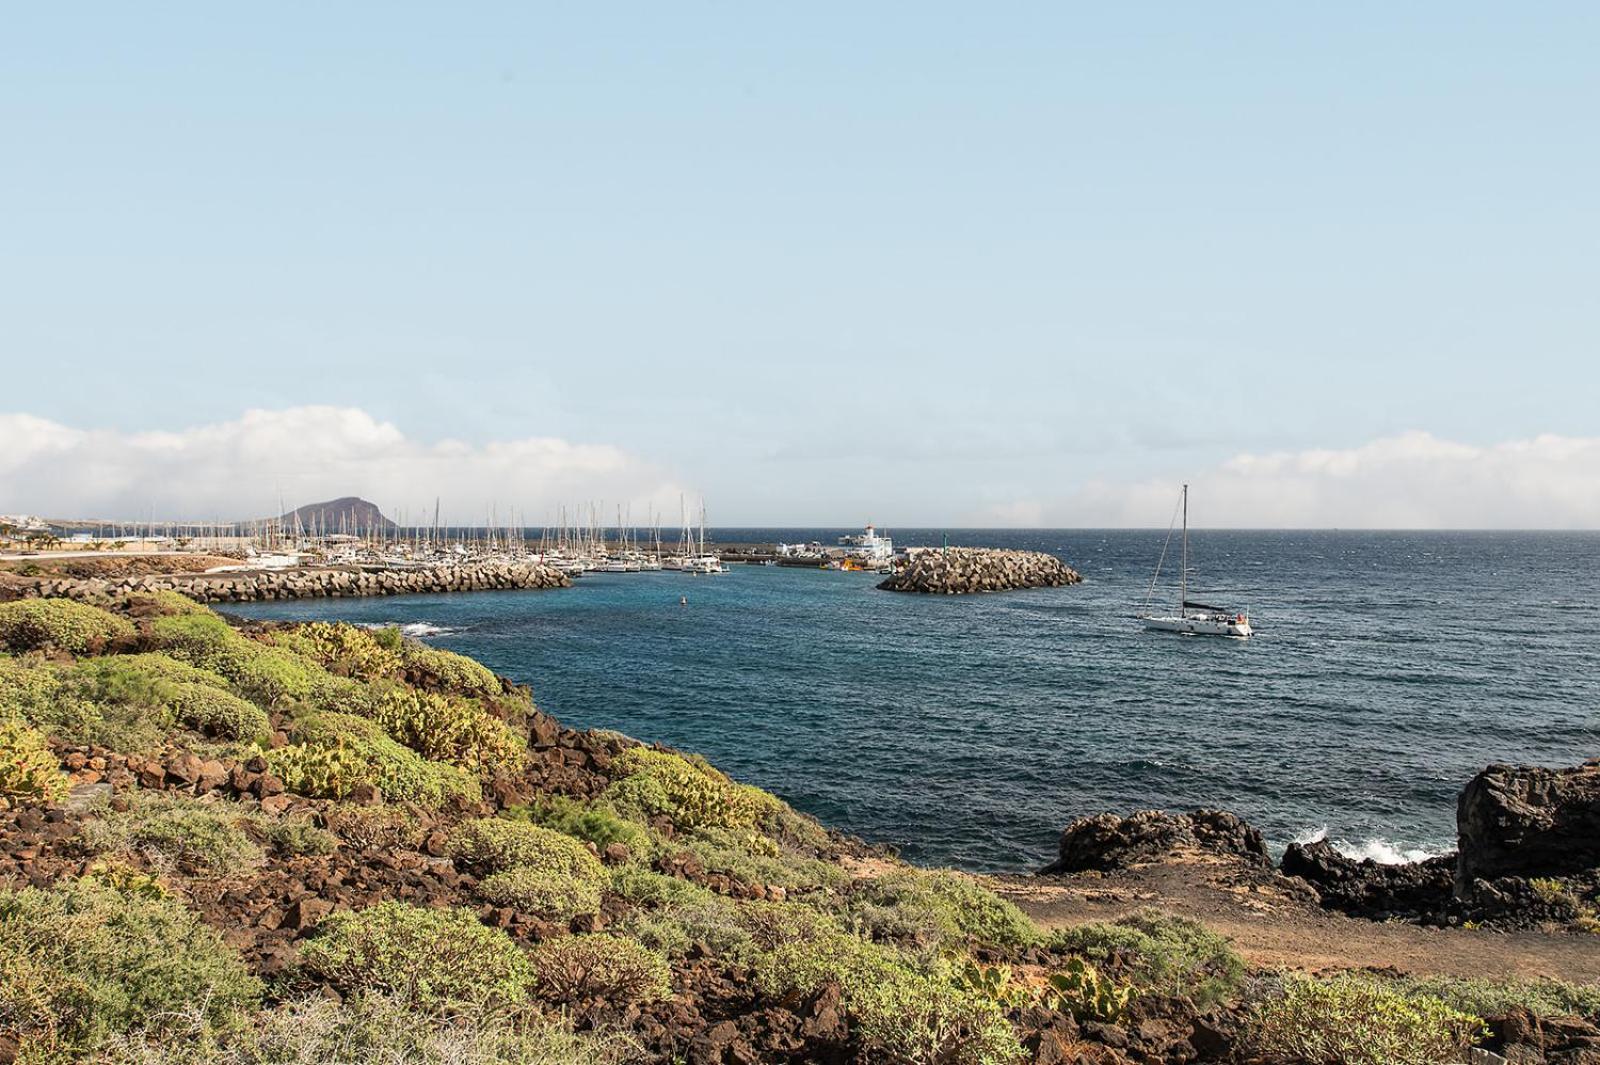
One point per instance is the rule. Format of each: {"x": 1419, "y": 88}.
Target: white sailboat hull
{"x": 1199, "y": 626}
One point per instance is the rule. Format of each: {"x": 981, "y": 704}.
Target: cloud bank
{"x": 1410, "y": 481}
{"x": 242, "y": 468}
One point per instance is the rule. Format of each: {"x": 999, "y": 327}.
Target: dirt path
{"x": 1275, "y": 921}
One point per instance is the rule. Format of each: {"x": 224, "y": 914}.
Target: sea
{"x": 1387, "y": 669}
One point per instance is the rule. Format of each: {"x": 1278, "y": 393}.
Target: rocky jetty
{"x": 1105, "y": 841}
{"x": 248, "y": 586}
{"x": 962, "y": 570}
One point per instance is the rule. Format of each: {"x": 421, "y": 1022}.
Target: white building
{"x": 868, "y": 546}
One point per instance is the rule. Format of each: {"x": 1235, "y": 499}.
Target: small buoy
{"x": 683, "y": 600}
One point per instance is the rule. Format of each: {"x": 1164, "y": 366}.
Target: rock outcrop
{"x": 961, "y": 570}
{"x": 247, "y": 586}
{"x": 1413, "y": 891}
{"x": 1526, "y": 821}
{"x": 1105, "y": 841}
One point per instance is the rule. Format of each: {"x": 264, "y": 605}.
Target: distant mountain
{"x": 350, "y": 514}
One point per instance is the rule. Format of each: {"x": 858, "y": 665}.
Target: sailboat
{"x": 1192, "y": 619}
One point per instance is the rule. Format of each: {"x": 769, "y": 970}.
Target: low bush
{"x": 599, "y": 968}
{"x": 297, "y": 836}
{"x": 124, "y": 702}
{"x": 443, "y": 728}
{"x": 190, "y": 836}
{"x": 82, "y": 963}
{"x": 688, "y": 791}
{"x": 495, "y": 844}
{"x": 1160, "y": 952}
{"x": 345, "y": 650}
{"x": 162, "y": 603}
{"x": 214, "y": 712}
{"x": 385, "y": 827}
{"x": 552, "y": 896}
{"x": 426, "y": 957}
{"x": 1351, "y": 1019}
{"x": 939, "y": 909}
{"x": 1082, "y": 991}
{"x": 374, "y": 1029}
{"x": 269, "y": 675}
{"x": 59, "y": 624}
{"x": 711, "y": 921}
{"x": 25, "y": 684}
{"x": 331, "y": 755}
{"x": 592, "y": 821}
{"x": 749, "y": 857}
{"x": 1492, "y": 998}
{"x": 29, "y": 771}
{"x": 446, "y": 671}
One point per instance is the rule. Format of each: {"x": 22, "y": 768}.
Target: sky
{"x": 930, "y": 264}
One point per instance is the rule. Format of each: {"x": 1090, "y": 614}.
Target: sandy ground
{"x": 1275, "y": 921}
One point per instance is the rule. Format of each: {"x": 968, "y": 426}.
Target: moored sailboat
{"x": 1192, "y": 618}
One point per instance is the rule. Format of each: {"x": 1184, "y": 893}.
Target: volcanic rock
{"x": 1367, "y": 888}
{"x": 1105, "y": 841}
{"x": 1529, "y": 821}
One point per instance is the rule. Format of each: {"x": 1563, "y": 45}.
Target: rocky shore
{"x": 963, "y": 570}
{"x": 249, "y": 586}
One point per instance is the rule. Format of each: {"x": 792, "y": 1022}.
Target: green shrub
{"x": 60, "y": 624}
{"x": 346, "y": 650}
{"x": 495, "y": 844}
{"x": 271, "y": 676}
{"x": 1491, "y": 998}
{"x": 449, "y": 672}
{"x": 1351, "y": 1019}
{"x": 385, "y": 827}
{"x": 29, "y": 771}
{"x": 592, "y": 821}
{"x": 752, "y": 858}
{"x": 25, "y": 684}
{"x": 939, "y": 908}
{"x": 1162, "y": 953}
{"x": 583, "y": 969}
{"x": 163, "y": 602}
{"x": 214, "y": 712}
{"x": 374, "y": 1029}
{"x": 679, "y": 917}
{"x": 82, "y": 962}
{"x": 552, "y": 896}
{"x": 296, "y": 836}
{"x": 1082, "y": 991}
{"x": 910, "y": 1014}
{"x": 686, "y": 790}
{"x": 640, "y": 885}
{"x": 426, "y": 957}
{"x": 443, "y": 728}
{"x": 198, "y": 838}
{"x": 124, "y": 702}
{"x": 333, "y": 754}
{"x": 389, "y": 638}
{"x": 134, "y": 677}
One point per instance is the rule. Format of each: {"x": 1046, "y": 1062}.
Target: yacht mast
{"x": 1183, "y": 574}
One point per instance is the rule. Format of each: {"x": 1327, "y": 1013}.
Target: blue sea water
{"x": 1388, "y": 668}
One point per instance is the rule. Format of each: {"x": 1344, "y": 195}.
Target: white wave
{"x": 1384, "y": 852}
{"x": 417, "y": 630}
{"x": 1312, "y": 835}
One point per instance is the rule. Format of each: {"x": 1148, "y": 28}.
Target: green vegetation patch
{"x": 495, "y": 844}
{"x": 1353, "y": 1019}
{"x": 194, "y": 837}
{"x": 939, "y": 908}
{"x": 1162, "y": 953}
{"x": 331, "y": 755}
{"x": 449, "y": 672}
{"x": 443, "y": 728}
{"x": 268, "y": 675}
{"x": 593, "y": 821}
{"x": 552, "y": 896}
{"x": 29, "y": 771}
{"x": 673, "y": 915}
{"x": 684, "y": 789}
{"x": 426, "y": 957}
{"x": 1491, "y": 998}
{"x": 81, "y": 963}
{"x": 600, "y": 968}
{"x": 345, "y": 650}
{"x": 59, "y": 624}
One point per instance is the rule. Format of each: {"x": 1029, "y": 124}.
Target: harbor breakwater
{"x": 961, "y": 570}
{"x": 251, "y": 586}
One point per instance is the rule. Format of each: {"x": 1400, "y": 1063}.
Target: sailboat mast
{"x": 1183, "y": 575}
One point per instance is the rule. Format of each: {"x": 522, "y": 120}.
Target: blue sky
{"x": 918, "y": 263}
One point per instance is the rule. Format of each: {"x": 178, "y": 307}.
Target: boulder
{"x": 1527, "y": 821}
{"x": 1105, "y": 841}
{"x": 1367, "y": 888}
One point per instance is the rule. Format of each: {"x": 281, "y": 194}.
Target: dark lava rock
{"x": 1420, "y": 890}
{"x": 1105, "y": 841}
{"x": 1529, "y": 821}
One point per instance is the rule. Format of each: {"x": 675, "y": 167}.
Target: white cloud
{"x": 1411, "y": 481}
{"x": 241, "y": 468}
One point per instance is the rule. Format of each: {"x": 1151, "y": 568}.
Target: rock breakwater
{"x": 249, "y": 586}
{"x": 963, "y": 570}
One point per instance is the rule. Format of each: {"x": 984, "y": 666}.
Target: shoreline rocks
{"x": 1105, "y": 842}
{"x": 1529, "y": 821}
{"x": 249, "y": 586}
{"x": 963, "y": 570}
